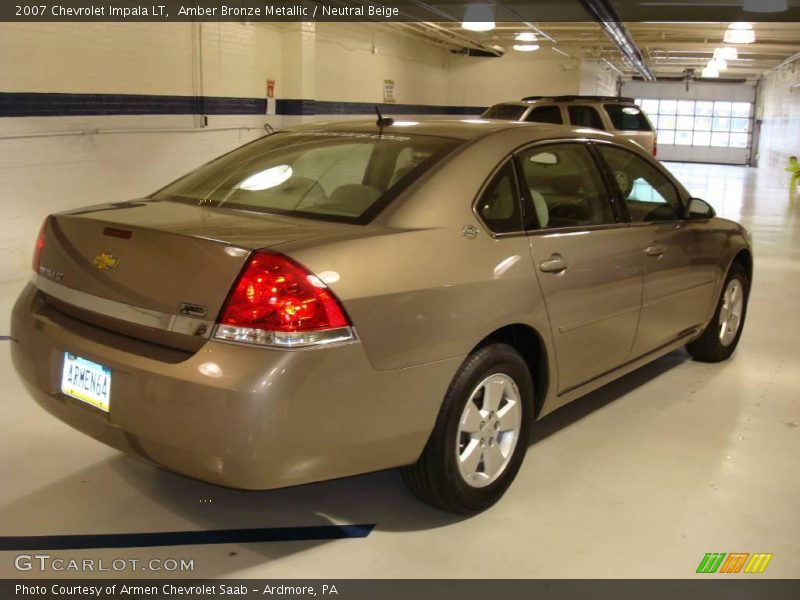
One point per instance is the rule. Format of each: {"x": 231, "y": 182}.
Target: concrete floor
{"x": 639, "y": 479}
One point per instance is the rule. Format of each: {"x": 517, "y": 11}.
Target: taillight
{"x": 655, "y": 147}
{"x": 37, "y": 249}
{"x": 278, "y": 302}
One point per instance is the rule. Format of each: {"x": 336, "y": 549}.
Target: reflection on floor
{"x": 639, "y": 479}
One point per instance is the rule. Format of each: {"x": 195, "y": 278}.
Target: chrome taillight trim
{"x": 280, "y": 339}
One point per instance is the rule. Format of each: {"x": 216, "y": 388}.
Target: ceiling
{"x": 668, "y": 48}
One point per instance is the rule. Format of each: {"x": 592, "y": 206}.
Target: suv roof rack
{"x": 586, "y": 98}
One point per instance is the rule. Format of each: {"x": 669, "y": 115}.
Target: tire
{"x": 716, "y": 345}
{"x": 466, "y": 426}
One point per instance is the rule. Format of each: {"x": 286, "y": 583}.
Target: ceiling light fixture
{"x": 711, "y": 71}
{"x": 765, "y": 6}
{"x": 720, "y": 64}
{"x": 740, "y": 33}
{"x": 478, "y": 17}
{"x": 726, "y": 53}
{"x": 525, "y": 47}
{"x": 526, "y": 36}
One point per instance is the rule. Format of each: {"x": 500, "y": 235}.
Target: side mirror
{"x": 700, "y": 210}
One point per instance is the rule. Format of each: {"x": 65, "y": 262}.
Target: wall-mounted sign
{"x": 388, "y": 91}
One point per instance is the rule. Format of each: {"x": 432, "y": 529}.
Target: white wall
{"x": 474, "y": 81}
{"x": 353, "y": 59}
{"x": 597, "y": 79}
{"x": 779, "y": 110}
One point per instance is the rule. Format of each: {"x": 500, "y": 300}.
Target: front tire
{"x": 722, "y": 334}
{"x": 480, "y": 436}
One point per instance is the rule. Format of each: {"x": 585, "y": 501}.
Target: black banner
{"x": 419, "y": 589}
{"x": 392, "y": 10}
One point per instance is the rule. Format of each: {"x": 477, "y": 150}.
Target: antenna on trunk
{"x": 382, "y": 121}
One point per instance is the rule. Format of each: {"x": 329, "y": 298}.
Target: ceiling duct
{"x": 682, "y": 78}
{"x": 605, "y": 15}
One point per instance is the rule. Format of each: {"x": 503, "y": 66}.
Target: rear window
{"x": 334, "y": 176}
{"x": 545, "y": 114}
{"x": 585, "y": 116}
{"x": 506, "y": 112}
{"x": 627, "y": 118}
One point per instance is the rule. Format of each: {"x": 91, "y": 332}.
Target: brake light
{"x": 655, "y": 147}
{"x": 278, "y": 302}
{"x": 37, "y": 249}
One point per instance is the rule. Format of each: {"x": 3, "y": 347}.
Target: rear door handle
{"x": 654, "y": 250}
{"x": 554, "y": 264}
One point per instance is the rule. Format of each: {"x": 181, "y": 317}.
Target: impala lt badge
{"x": 51, "y": 273}
{"x": 105, "y": 261}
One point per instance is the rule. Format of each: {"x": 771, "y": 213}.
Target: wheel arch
{"x": 530, "y": 345}
{"x": 744, "y": 257}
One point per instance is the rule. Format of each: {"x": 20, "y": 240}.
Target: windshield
{"x": 507, "y": 112}
{"x": 335, "y": 176}
{"x": 627, "y": 117}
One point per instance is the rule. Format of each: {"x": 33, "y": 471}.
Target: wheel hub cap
{"x": 730, "y": 315}
{"x": 488, "y": 430}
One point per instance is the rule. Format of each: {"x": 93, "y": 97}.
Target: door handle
{"x": 654, "y": 250}
{"x": 554, "y": 264}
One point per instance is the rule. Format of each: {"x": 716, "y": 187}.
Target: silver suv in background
{"x": 606, "y": 113}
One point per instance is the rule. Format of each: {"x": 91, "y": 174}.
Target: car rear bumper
{"x": 238, "y": 416}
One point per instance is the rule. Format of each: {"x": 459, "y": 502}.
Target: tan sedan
{"x": 343, "y": 298}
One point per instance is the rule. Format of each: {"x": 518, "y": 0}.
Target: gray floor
{"x": 639, "y": 479}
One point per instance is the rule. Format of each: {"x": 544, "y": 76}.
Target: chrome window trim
{"x": 173, "y": 323}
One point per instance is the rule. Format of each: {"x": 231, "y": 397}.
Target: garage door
{"x": 709, "y": 123}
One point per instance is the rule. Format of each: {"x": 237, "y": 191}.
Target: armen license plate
{"x": 87, "y": 381}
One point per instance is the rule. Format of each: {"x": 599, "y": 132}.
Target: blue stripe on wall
{"x": 16, "y": 104}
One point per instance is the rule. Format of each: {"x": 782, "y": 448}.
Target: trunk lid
{"x": 155, "y": 270}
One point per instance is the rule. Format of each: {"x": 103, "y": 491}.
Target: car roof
{"x": 461, "y": 129}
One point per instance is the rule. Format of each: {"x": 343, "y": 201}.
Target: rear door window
{"x": 585, "y": 116}
{"x": 546, "y": 114}
{"x": 626, "y": 117}
{"x": 565, "y": 188}
{"x": 506, "y": 112}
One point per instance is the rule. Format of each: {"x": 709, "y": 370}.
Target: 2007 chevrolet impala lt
{"x": 342, "y": 298}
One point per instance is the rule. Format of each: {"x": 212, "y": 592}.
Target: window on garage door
{"x": 700, "y": 123}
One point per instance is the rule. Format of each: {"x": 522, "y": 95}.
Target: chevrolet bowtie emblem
{"x": 105, "y": 261}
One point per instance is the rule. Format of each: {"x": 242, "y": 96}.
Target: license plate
{"x": 87, "y": 381}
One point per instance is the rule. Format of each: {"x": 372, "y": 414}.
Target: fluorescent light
{"x": 720, "y": 64}
{"x": 726, "y": 53}
{"x": 478, "y": 18}
{"x": 765, "y": 6}
{"x": 740, "y": 33}
{"x": 525, "y": 47}
{"x": 405, "y": 123}
{"x": 711, "y": 71}
{"x": 526, "y": 36}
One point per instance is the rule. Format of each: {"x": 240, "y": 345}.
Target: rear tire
{"x": 722, "y": 334}
{"x": 480, "y": 436}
